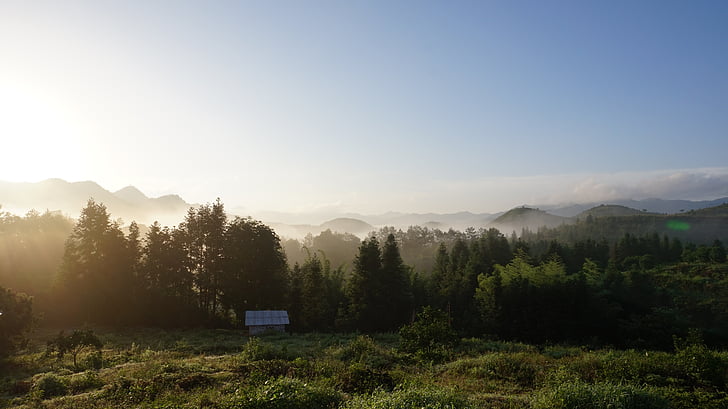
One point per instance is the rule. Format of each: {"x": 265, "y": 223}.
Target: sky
{"x": 369, "y": 106}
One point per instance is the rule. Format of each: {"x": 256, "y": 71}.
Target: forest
{"x": 642, "y": 291}
{"x": 639, "y": 290}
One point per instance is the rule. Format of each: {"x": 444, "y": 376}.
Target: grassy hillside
{"x": 224, "y": 369}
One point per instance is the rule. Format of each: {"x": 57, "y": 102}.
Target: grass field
{"x": 153, "y": 368}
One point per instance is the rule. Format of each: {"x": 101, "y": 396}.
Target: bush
{"x": 363, "y": 350}
{"x": 701, "y": 366}
{"x": 83, "y": 382}
{"x": 359, "y": 379}
{"x": 264, "y": 369}
{"x": 285, "y": 393}
{"x": 520, "y": 368}
{"x": 133, "y": 391}
{"x": 257, "y": 350}
{"x": 73, "y": 344}
{"x": 577, "y": 395}
{"x": 420, "y": 398}
{"x": 48, "y": 386}
{"x": 430, "y": 338}
{"x": 93, "y": 360}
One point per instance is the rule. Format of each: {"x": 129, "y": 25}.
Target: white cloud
{"x": 497, "y": 194}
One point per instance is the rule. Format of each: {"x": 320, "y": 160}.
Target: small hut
{"x": 262, "y": 321}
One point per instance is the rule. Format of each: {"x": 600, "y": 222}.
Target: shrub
{"x": 430, "y": 338}
{"x": 73, "y": 344}
{"x": 133, "y": 391}
{"x": 48, "y": 386}
{"x": 695, "y": 398}
{"x": 359, "y": 379}
{"x": 257, "y": 350}
{"x": 701, "y": 366}
{"x": 479, "y": 346}
{"x": 285, "y": 393}
{"x": 654, "y": 368}
{"x": 576, "y": 395}
{"x": 264, "y": 369}
{"x": 364, "y": 350}
{"x": 520, "y": 368}
{"x": 86, "y": 381}
{"x": 93, "y": 360}
{"x": 421, "y": 398}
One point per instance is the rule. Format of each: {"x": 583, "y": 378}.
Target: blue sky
{"x": 370, "y": 106}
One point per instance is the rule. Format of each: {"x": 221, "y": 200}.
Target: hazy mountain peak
{"x": 348, "y": 225}
{"x": 530, "y": 218}
{"x": 128, "y": 203}
{"x": 607, "y": 210}
{"x": 131, "y": 194}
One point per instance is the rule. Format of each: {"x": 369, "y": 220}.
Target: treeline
{"x": 696, "y": 226}
{"x": 206, "y": 271}
{"x": 637, "y": 291}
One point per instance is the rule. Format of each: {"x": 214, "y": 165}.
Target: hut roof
{"x": 266, "y": 318}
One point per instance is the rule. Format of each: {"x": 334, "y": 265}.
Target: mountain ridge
{"x": 130, "y": 203}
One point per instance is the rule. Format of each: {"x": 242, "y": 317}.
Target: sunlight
{"x": 37, "y": 136}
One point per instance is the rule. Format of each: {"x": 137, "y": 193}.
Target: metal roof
{"x": 266, "y": 318}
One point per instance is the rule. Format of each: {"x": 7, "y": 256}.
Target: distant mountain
{"x": 700, "y": 226}
{"x": 70, "y": 197}
{"x": 340, "y": 225}
{"x": 525, "y": 217}
{"x": 665, "y": 206}
{"x": 348, "y": 225}
{"x": 130, "y": 204}
{"x": 131, "y": 195}
{"x": 609, "y": 211}
{"x": 715, "y": 211}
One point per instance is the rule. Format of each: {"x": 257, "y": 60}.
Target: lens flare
{"x": 678, "y": 225}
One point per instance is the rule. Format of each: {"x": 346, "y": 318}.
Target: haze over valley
{"x": 130, "y": 204}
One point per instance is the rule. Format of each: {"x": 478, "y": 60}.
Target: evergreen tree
{"x": 364, "y": 289}
{"x": 96, "y": 273}
{"x": 204, "y": 230}
{"x": 397, "y": 302}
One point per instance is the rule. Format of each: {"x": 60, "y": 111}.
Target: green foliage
{"x": 32, "y": 248}
{"x": 284, "y": 393}
{"x": 16, "y": 317}
{"x": 701, "y": 365}
{"x": 421, "y": 398}
{"x": 94, "y": 360}
{"x": 48, "y": 386}
{"x": 97, "y": 274}
{"x": 378, "y": 290}
{"x": 523, "y": 369}
{"x": 257, "y": 350}
{"x": 364, "y": 350}
{"x": 85, "y": 381}
{"x": 360, "y": 379}
{"x": 577, "y": 395}
{"x": 430, "y": 338}
{"x": 73, "y": 344}
{"x": 254, "y": 267}
{"x": 365, "y": 373}
{"x": 133, "y": 391}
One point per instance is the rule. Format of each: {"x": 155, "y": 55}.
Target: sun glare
{"x": 37, "y": 138}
